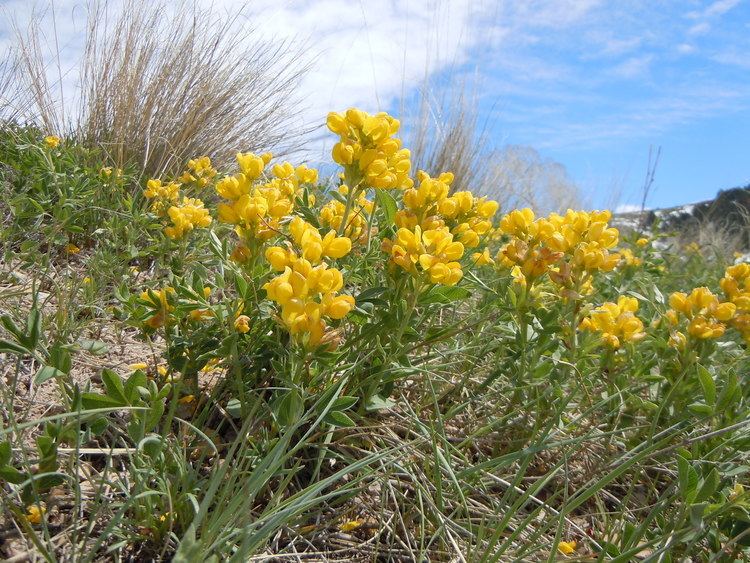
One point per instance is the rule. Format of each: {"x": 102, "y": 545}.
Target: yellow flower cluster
{"x": 332, "y": 214}
{"x": 307, "y": 289}
{"x": 368, "y": 150}
{"x": 736, "y": 287}
{"x": 109, "y": 173}
{"x": 160, "y": 301}
{"x": 189, "y": 214}
{"x": 257, "y": 208}
{"x": 163, "y": 195}
{"x": 468, "y": 218}
{"x": 616, "y": 322}
{"x": 312, "y": 246}
{"x": 432, "y": 253}
{"x": 185, "y": 215}
{"x": 51, "y": 141}
{"x": 199, "y": 172}
{"x": 706, "y": 316}
{"x": 569, "y": 248}
{"x": 308, "y": 294}
{"x": 435, "y": 228}
{"x": 628, "y": 259}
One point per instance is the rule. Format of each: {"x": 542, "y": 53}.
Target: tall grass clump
{"x": 447, "y": 133}
{"x": 160, "y": 81}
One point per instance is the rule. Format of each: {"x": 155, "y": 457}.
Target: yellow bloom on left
{"x": 52, "y": 141}
{"x": 35, "y": 513}
{"x": 186, "y": 216}
{"x": 566, "y": 547}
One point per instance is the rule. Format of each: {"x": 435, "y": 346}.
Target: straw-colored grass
{"x": 161, "y": 82}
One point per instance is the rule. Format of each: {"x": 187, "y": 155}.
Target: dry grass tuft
{"x": 161, "y": 83}
{"x": 448, "y": 134}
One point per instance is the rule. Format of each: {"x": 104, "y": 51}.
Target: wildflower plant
{"x": 305, "y": 341}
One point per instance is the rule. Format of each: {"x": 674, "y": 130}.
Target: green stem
{"x": 370, "y": 221}
{"x": 350, "y": 196}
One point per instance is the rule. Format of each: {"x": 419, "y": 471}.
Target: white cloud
{"x": 720, "y": 7}
{"x": 699, "y": 28}
{"x": 627, "y": 208}
{"x": 633, "y": 67}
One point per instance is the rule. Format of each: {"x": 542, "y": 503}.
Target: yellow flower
{"x": 737, "y": 491}
{"x": 434, "y": 251}
{"x": 51, "y": 141}
{"x": 307, "y": 294}
{"x": 351, "y": 525}
{"x": 368, "y": 149}
{"x": 642, "y": 241}
{"x": 159, "y": 301}
{"x": 627, "y": 258}
{"x": 163, "y": 195}
{"x": 616, "y": 322}
{"x": 87, "y": 280}
{"x": 567, "y": 547}
{"x": 187, "y": 399}
{"x": 482, "y": 258}
{"x": 185, "y": 217}
{"x": 200, "y": 314}
{"x": 138, "y": 366}
{"x": 35, "y": 513}
{"x": 251, "y": 165}
{"x": 199, "y": 172}
{"x": 242, "y": 324}
{"x": 705, "y": 314}
{"x": 71, "y": 248}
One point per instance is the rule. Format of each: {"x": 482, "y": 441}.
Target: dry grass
{"x": 161, "y": 83}
{"x": 448, "y": 134}
{"x": 520, "y": 177}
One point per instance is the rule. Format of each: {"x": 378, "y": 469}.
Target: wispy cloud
{"x": 633, "y": 67}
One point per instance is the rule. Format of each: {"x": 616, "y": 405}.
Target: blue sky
{"x": 591, "y": 84}
{"x": 596, "y": 91}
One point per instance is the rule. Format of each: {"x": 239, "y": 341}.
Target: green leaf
{"x": 8, "y": 347}
{"x": 234, "y": 408}
{"x": 289, "y": 408}
{"x": 683, "y": 474}
{"x": 710, "y": 484}
{"x": 370, "y": 294}
{"x": 130, "y": 389}
{"x": 59, "y": 357}
{"x": 99, "y": 425}
{"x": 377, "y": 403}
{"x": 700, "y": 408}
{"x": 726, "y": 397}
{"x": 696, "y": 514}
{"x": 98, "y": 401}
{"x": 388, "y": 204}
{"x": 343, "y": 403}
{"x": 113, "y": 385}
{"x": 5, "y": 453}
{"x": 12, "y": 475}
{"x": 33, "y": 328}
{"x": 154, "y": 415}
{"x": 444, "y": 295}
{"x": 11, "y": 327}
{"x": 338, "y": 418}
{"x": 707, "y": 384}
{"x": 45, "y": 373}
{"x": 96, "y": 347}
